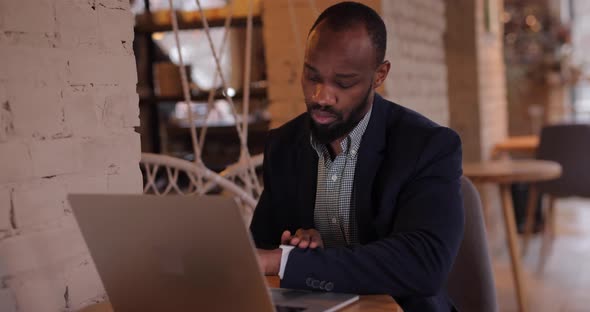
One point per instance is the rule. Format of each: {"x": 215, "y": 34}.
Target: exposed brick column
{"x": 68, "y": 106}
{"x": 477, "y": 86}
{"x": 415, "y": 48}
{"x": 476, "y": 78}
{"x": 493, "y": 102}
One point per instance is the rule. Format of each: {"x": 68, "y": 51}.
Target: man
{"x": 367, "y": 191}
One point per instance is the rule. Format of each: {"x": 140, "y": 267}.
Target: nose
{"x": 324, "y": 95}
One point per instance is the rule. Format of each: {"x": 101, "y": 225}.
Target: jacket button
{"x": 308, "y": 281}
{"x": 329, "y": 286}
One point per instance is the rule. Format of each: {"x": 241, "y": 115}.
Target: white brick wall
{"x": 37, "y": 114}
{"x": 415, "y": 48}
{"x": 67, "y": 110}
{"x": 38, "y": 203}
{"x": 7, "y": 300}
{"x": 581, "y": 32}
{"x": 15, "y": 160}
{"x": 83, "y": 283}
{"x": 55, "y": 157}
{"x": 477, "y": 96}
{"x": 49, "y": 289}
{"x": 477, "y": 82}
{"x": 27, "y": 16}
{"x": 5, "y": 210}
{"x": 76, "y": 24}
{"x": 84, "y": 118}
{"x": 493, "y": 111}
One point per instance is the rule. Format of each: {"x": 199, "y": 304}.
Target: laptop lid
{"x": 171, "y": 253}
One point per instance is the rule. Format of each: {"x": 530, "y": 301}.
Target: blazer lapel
{"x": 307, "y": 172}
{"x": 369, "y": 160}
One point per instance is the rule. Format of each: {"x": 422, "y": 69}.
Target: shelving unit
{"x": 150, "y": 103}
{"x": 255, "y": 93}
{"x": 239, "y": 21}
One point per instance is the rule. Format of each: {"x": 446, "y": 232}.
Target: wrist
{"x": 275, "y": 264}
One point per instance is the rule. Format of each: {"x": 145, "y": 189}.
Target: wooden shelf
{"x": 148, "y": 23}
{"x": 255, "y": 93}
{"x": 238, "y": 21}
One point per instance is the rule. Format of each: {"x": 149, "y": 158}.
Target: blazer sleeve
{"x": 263, "y": 227}
{"x": 416, "y": 257}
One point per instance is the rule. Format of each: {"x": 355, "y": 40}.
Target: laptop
{"x": 179, "y": 253}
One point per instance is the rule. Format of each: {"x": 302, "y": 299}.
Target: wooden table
{"x": 527, "y": 144}
{"x": 504, "y": 173}
{"x": 373, "y": 303}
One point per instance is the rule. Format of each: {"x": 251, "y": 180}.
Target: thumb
{"x": 285, "y": 237}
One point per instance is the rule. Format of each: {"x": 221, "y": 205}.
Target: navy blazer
{"x": 409, "y": 209}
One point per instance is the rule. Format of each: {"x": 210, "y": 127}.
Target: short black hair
{"x": 345, "y": 15}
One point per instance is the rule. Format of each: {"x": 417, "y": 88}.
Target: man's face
{"x": 339, "y": 77}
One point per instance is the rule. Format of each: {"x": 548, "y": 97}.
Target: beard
{"x": 327, "y": 133}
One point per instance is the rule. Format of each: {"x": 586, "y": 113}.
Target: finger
{"x": 313, "y": 241}
{"x": 285, "y": 237}
{"x": 304, "y": 244}
{"x": 316, "y": 241}
{"x": 305, "y": 239}
{"x": 295, "y": 240}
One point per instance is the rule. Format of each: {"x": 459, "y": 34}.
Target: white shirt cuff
{"x": 284, "y": 257}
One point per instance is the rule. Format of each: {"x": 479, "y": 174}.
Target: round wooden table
{"x": 371, "y": 303}
{"x": 504, "y": 173}
{"x": 526, "y": 144}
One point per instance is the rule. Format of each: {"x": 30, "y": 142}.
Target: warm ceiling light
{"x": 231, "y": 92}
{"x": 531, "y": 20}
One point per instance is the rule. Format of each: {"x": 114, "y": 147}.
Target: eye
{"x": 314, "y": 78}
{"x": 343, "y": 85}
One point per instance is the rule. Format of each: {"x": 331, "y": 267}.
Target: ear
{"x": 381, "y": 74}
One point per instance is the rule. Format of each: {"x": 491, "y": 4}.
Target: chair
{"x": 569, "y": 145}
{"x": 471, "y": 281}
{"x": 165, "y": 175}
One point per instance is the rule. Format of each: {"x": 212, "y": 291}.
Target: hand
{"x": 310, "y": 238}
{"x": 269, "y": 261}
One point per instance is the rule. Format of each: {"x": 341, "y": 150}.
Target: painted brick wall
{"x": 477, "y": 85}
{"x": 415, "y": 48}
{"x": 462, "y": 62}
{"x": 68, "y": 106}
{"x": 476, "y": 73}
{"x": 493, "y": 111}
{"x": 581, "y": 32}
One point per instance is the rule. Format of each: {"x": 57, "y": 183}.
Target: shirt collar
{"x": 352, "y": 140}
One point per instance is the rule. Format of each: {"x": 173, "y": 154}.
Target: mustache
{"x": 327, "y": 109}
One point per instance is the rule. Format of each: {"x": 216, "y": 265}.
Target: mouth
{"x": 322, "y": 117}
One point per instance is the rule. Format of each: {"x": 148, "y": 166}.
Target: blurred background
{"x": 89, "y": 89}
